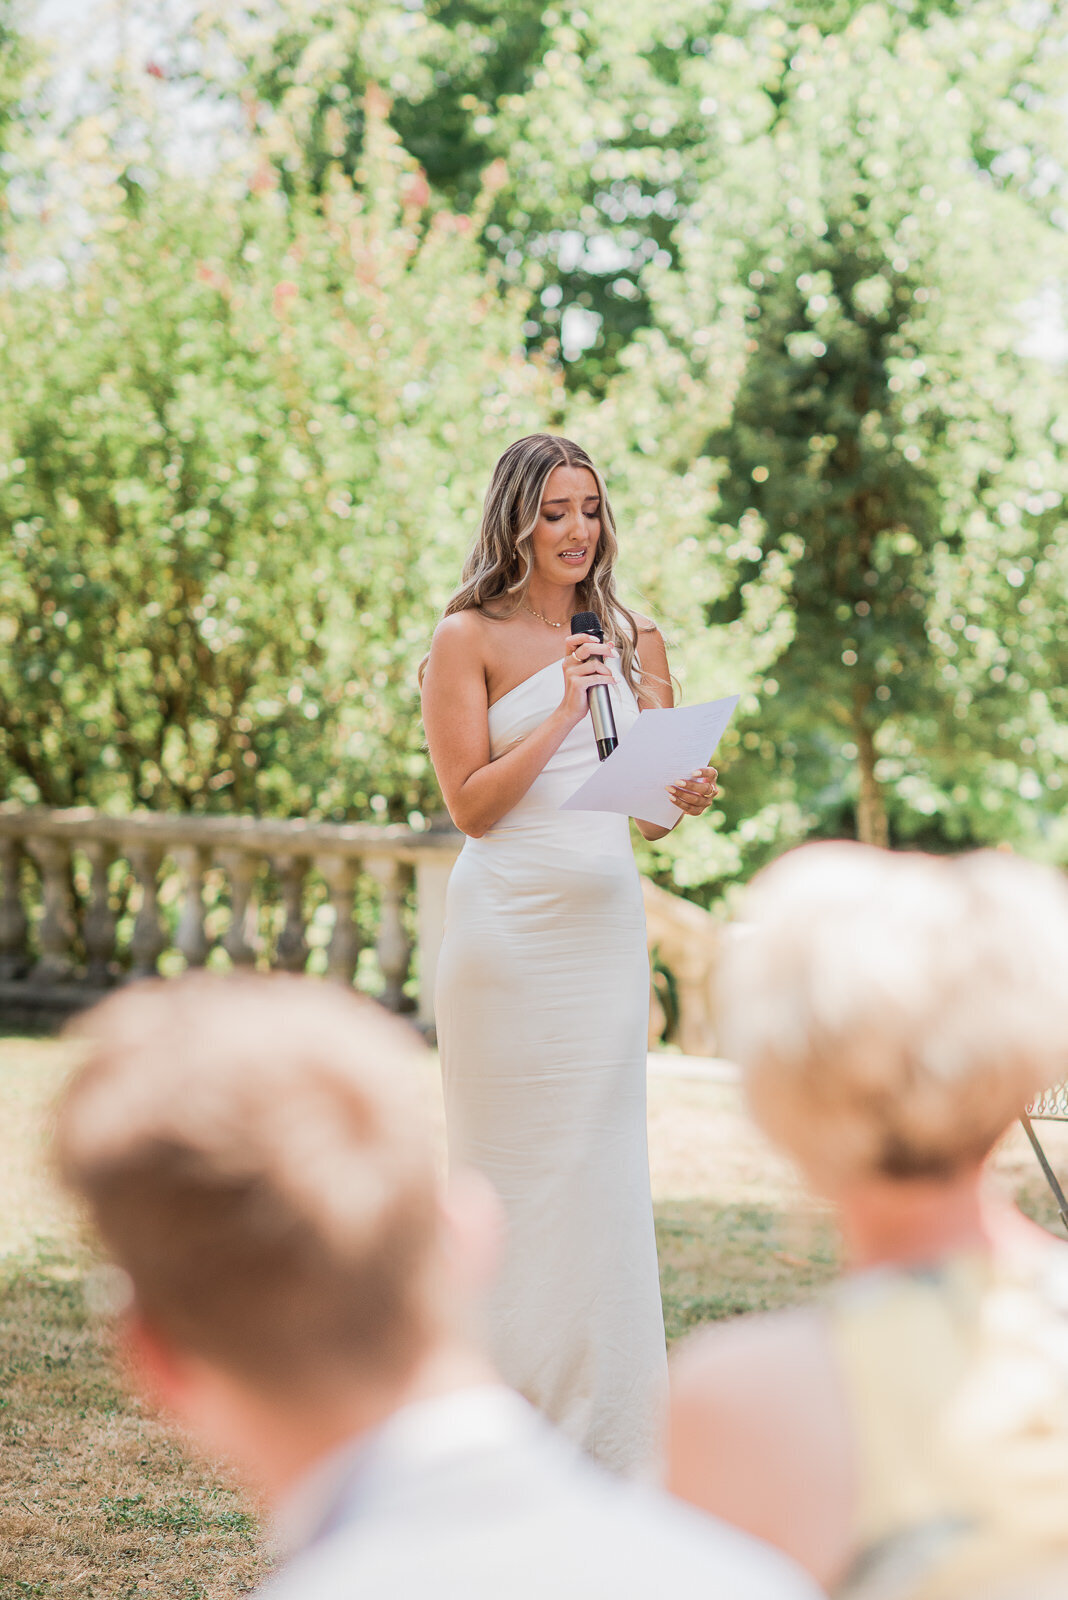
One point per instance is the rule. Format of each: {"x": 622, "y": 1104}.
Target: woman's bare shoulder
{"x": 471, "y": 625}
{"x": 461, "y": 638}
{"x": 459, "y": 625}
{"x": 749, "y": 1359}
{"x": 644, "y": 624}
{"x": 760, "y": 1435}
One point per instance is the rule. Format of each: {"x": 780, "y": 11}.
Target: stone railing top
{"x": 269, "y": 835}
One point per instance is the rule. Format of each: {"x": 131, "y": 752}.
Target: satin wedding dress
{"x": 542, "y": 1017}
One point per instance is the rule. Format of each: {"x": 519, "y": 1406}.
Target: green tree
{"x": 245, "y": 442}
{"x": 883, "y": 413}
{"x": 243, "y": 446}
{"x": 17, "y": 58}
{"x": 773, "y": 239}
{"x": 591, "y": 108}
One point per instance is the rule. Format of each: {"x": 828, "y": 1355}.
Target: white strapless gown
{"x": 542, "y": 1016}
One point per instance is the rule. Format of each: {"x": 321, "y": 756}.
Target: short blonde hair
{"x": 893, "y": 1013}
{"x": 253, "y": 1154}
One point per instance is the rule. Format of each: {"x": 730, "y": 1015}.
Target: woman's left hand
{"x": 696, "y": 793}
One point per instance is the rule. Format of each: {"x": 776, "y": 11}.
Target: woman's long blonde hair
{"x": 497, "y": 571}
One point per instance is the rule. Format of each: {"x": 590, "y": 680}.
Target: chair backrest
{"x": 1051, "y": 1105}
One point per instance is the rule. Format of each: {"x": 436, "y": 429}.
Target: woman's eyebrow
{"x": 566, "y": 500}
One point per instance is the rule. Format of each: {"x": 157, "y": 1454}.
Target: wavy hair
{"x": 498, "y": 569}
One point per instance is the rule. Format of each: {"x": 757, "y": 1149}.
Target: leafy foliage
{"x": 236, "y": 490}
{"x": 887, "y": 438}
{"x": 755, "y": 258}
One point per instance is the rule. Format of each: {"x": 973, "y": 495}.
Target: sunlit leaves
{"x": 247, "y": 443}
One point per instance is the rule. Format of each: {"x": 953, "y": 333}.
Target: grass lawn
{"x": 96, "y": 1496}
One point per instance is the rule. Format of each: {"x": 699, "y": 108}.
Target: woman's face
{"x": 569, "y": 526}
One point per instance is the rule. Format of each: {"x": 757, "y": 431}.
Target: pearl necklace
{"x": 540, "y": 617}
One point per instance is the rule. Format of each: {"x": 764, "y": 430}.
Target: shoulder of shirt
{"x": 590, "y": 1524}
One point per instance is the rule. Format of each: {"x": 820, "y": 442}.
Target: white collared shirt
{"x": 479, "y": 1417}
{"x": 471, "y": 1495}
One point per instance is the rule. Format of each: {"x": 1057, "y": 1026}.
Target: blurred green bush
{"x": 778, "y": 269}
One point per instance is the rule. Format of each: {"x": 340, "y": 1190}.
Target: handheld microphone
{"x": 604, "y": 723}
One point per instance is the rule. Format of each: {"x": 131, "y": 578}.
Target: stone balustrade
{"x": 684, "y": 945}
{"x": 90, "y": 900}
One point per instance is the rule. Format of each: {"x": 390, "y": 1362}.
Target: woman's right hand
{"x": 584, "y": 666}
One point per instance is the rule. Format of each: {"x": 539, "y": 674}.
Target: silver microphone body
{"x": 604, "y": 723}
{"x": 599, "y": 699}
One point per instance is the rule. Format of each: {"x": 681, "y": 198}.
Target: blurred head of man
{"x": 255, "y": 1156}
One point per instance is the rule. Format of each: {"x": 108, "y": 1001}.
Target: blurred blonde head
{"x": 254, "y": 1155}
{"x": 894, "y": 1013}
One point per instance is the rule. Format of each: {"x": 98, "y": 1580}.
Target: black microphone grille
{"x": 587, "y": 622}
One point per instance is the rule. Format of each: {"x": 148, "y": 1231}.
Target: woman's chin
{"x": 564, "y": 576}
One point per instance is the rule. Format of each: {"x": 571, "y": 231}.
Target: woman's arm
{"x": 693, "y": 795}
{"x": 478, "y": 791}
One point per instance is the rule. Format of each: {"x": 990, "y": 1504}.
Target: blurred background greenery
{"x": 279, "y": 280}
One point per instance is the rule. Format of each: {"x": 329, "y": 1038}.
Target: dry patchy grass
{"x": 96, "y": 1496}
{"x": 98, "y": 1499}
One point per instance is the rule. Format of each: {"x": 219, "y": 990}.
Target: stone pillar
{"x": 14, "y": 956}
{"x": 292, "y": 951}
{"x": 392, "y": 946}
{"x": 98, "y": 924}
{"x": 431, "y": 879}
{"x": 149, "y": 939}
{"x": 344, "y": 948}
{"x": 241, "y": 869}
{"x": 55, "y": 931}
{"x": 190, "y": 937}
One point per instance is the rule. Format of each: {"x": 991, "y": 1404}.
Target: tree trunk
{"x": 872, "y": 824}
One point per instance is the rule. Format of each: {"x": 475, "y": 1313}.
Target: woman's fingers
{"x": 588, "y": 646}
{"x": 585, "y": 675}
{"x": 573, "y": 640}
{"x": 695, "y": 793}
{"x": 586, "y": 668}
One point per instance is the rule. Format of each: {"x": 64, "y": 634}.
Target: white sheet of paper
{"x": 662, "y": 747}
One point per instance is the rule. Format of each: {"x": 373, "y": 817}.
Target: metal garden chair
{"x": 1050, "y": 1106}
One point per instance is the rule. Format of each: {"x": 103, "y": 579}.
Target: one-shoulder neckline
{"x": 524, "y": 681}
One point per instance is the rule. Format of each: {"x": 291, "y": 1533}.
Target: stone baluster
{"x": 239, "y": 942}
{"x": 14, "y": 958}
{"x": 55, "y": 931}
{"x": 431, "y": 881}
{"x": 392, "y": 945}
{"x": 190, "y": 938}
{"x": 339, "y": 873}
{"x": 60, "y": 933}
{"x": 292, "y": 949}
{"x": 149, "y": 938}
{"x": 98, "y": 924}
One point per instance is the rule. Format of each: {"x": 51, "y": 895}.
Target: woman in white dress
{"x": 543, "y": 979}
